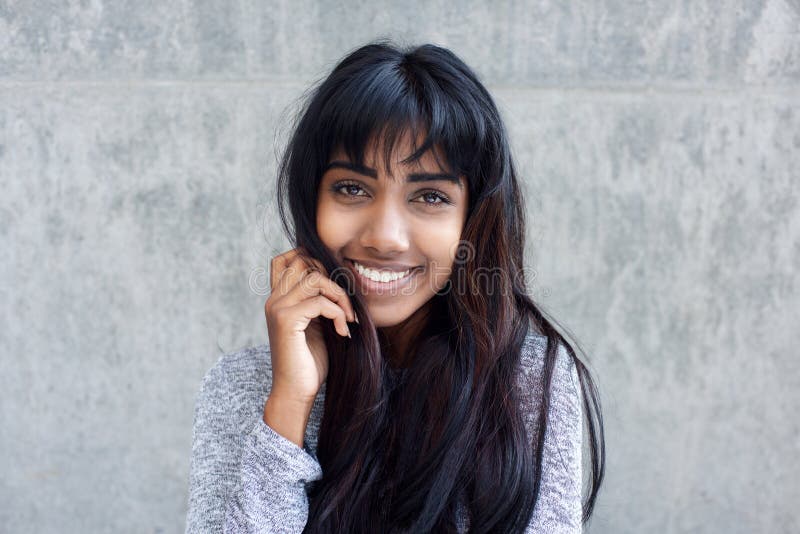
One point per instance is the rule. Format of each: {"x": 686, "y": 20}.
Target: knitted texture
{"x": 247, "y": 478}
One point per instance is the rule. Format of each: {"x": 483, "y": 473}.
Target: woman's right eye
{"x": 346, "y": 188}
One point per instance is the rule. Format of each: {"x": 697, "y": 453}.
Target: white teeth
{"x": 379, "y": 276}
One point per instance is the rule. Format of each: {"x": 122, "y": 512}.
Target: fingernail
{"x": 348, "y": 333}
{"x": 356, "y": 316}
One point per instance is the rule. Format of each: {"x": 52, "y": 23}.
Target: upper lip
{"x": 396, "y": 267}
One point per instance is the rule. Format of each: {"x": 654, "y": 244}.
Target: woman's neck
{"x": 400, "y": 338}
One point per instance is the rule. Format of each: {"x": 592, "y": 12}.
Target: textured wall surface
{"x": 659, "y": 143}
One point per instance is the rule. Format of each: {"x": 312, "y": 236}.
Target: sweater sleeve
{"x": 215, "y": 444}
{"x": 244, "y": 476}
{"x": 270, "y": 495}
{"x": 559, "y": 508}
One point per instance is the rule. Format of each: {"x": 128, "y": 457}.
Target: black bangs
{"x": 398, "y": 96}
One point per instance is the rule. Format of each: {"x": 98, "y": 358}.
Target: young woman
{"x": 410, "y": 382}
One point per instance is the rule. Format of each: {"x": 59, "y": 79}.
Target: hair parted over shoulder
{"x": 400, "y": 460}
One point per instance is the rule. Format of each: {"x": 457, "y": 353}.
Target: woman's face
{"x": 381, "y": 227}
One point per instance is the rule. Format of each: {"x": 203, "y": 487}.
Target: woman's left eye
{"x": 435, "y": 194}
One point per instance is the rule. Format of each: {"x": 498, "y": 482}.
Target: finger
{"x": 288, "y": 276}
{"x": 279, "y": 264}
{"x": 292, "y": 273}
{"x": 296, "y": 268}
{"x": 314, "y": 283}
{"x": 314, "y": 307}
{"x": 343, "y": 299}
{"x": 311, "y": 262}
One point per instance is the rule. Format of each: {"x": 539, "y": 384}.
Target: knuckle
{"x": 275, "y": 263}
{"x": 308, "y": 279}
{"x": 339, "y": 289}
{"x": 278, "y": 315}
{"x": 287, "y": 270}
{"x": 311, "y": 262}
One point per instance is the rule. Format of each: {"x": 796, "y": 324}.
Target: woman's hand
{"x": 301, "y": 294}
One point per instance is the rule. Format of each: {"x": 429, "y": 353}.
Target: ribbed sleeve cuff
{"x": 283, "y": 457}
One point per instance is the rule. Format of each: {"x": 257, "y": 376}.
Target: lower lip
{"x": 371, "y": 286}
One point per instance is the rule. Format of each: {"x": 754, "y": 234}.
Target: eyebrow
{"x": 415, "y": 177}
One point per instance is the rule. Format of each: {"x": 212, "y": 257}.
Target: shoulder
{"x": 242, "y": 367}
{"x": 532, "y": 358}
{"x": 564, "y": 387}
{"x": 239, "y": 379}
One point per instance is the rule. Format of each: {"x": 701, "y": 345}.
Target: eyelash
{"x": 338, "y": 186}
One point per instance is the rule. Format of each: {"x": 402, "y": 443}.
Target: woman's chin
{"x": 395, "y": 316}
{"x": 387, "y": 323}
{"x": 386, "y": 317}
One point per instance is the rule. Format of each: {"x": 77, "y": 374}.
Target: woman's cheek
{"x": 329, "y": 226}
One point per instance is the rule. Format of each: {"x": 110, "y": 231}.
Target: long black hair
{"x": 401, "y": 457}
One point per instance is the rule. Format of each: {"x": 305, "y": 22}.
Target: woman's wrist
{"x": 287, "y": 417}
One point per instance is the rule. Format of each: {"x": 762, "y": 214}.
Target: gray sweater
{"x": 245, "y": 477}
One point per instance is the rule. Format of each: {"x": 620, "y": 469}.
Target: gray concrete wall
{"x": 659, "y": 144}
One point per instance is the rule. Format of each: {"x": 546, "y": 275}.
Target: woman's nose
{"x": 385, "y": 229}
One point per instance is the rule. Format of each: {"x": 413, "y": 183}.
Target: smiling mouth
{"x": 381, "y": 275}
{"x": 372, "y": 279}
